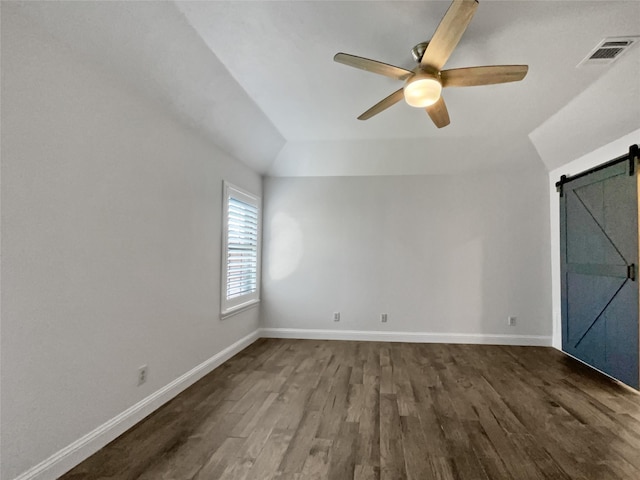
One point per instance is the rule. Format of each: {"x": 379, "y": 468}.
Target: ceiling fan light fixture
{"x": 422, "y": 90}
{"x": 423, "y": 85}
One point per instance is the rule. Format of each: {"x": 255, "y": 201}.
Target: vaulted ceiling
{"x": 259, "y": 79}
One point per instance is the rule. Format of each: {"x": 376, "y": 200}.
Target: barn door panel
{"x": 599, "y": 235}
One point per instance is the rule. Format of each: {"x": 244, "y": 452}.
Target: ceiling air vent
{"x": 608, "y": 50}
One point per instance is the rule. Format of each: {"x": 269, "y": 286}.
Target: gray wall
{"x": 438, "y": 254}
{"x": 110, "y": 247}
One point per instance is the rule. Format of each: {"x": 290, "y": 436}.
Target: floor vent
{"x": 609, "y": 50}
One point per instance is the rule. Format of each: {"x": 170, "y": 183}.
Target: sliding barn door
{"x": 599, "y": 249}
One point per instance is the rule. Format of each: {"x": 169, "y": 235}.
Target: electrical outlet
{"x": 383, "y": 317}
{"x": 511, "y": 321}
{"x": 336, "y": 316}
{"x": 142, "y": 374}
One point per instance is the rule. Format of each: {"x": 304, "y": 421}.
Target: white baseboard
{"x": 73, "y": 454}
{"x": 410, "y": 337}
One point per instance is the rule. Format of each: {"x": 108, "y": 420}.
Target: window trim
{"x": 235, "y": 305}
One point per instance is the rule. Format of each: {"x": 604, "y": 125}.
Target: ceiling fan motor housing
{"x": 418, "y": 51}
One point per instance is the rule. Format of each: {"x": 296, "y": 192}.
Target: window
{"x": 241, "y": 250}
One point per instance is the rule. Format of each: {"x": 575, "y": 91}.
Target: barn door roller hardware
{"x": 632, "y": 157}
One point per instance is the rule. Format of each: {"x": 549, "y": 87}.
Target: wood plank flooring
{"x": 306, "y": 409}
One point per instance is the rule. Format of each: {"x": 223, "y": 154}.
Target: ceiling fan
{"x": 423, "y": 85}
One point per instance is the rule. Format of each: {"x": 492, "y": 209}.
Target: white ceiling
{"x": 259, "y": 78}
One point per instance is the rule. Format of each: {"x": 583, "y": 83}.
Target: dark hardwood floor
{"x": 305, "y": 409}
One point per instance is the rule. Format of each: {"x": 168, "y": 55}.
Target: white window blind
{"x": 241, "y": 255}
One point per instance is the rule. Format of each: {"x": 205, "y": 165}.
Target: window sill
{"x": 239, "y": 309}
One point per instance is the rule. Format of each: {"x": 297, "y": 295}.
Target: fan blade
{"x": 448, "y": 33}
{"x": 489, "y": 75}
{"x": 372, "y": 66}
{"x": 438, "y": 113}
{"x": 392, "y": 99}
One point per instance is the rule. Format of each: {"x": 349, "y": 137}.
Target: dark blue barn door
{"x": 599, "y": 254}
